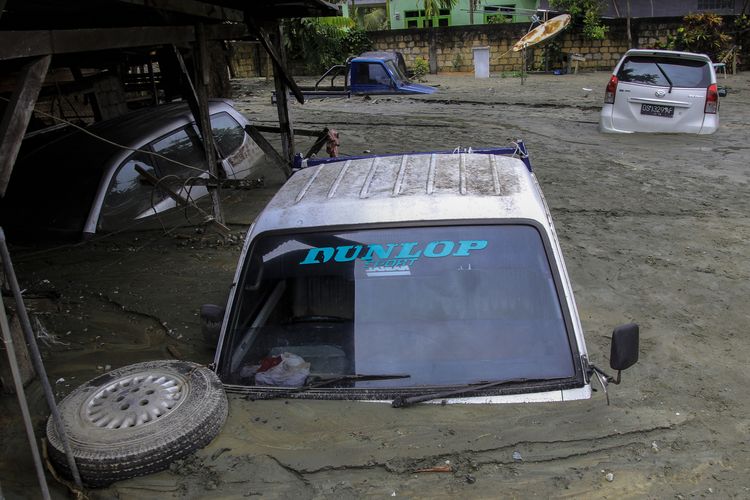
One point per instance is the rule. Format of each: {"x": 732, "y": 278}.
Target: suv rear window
{"x": 665, "y": 72}
{"x": 446, "y": 305}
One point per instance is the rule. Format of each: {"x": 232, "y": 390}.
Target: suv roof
{"x": 668, "y": 53}
{"x": 401, "y": 188}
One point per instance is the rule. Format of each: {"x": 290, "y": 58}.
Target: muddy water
{"x": 654, "y": 229}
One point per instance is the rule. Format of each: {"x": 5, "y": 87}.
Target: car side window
{"x": 379, "y": 75}
{"x": 183, "y": 147}
{"x": 129, "y": 195}
{"x": 373, "y": 74}
{"x": 228, "y": 134}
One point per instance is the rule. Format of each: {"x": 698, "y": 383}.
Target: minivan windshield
{"x": 446, "y": 305}
{"x": 665, "y": 72}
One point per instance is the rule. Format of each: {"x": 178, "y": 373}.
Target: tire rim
{"x": 135, "y": 400}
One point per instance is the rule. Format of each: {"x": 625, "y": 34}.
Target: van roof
{"x": 406, "y": 189}
{"x": 668, "y": 53}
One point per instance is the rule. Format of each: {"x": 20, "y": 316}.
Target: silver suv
{"x": 661, "y": 91}
{"x": 409, "y": 278}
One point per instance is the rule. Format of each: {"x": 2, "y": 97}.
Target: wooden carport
{"x": 36, "y": 35}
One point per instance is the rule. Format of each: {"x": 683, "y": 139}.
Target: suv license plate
{"x": 657, "y": 110}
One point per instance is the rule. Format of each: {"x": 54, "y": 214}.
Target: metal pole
{"x": 11, "y": 352}
{"x": 36, "y": 357}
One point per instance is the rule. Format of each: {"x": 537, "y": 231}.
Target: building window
{"x": 715, "y": 4}
{"x": 498, "y": 14}
{"x": 418, "y": 19}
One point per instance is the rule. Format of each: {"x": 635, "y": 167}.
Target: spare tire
{"x": 137, "y": 419}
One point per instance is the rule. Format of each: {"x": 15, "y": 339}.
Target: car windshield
{"x": 396, "y": 71}
{"x": 665, "y": 72}
{"x": 445, "y": 305}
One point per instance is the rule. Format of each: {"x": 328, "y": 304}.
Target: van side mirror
{"x": 624, "y": 352}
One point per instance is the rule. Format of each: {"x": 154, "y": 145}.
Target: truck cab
{"x": 380, "y": 75}
{"x": 409, "y": 278}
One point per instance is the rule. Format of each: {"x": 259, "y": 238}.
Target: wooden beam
{"x": 18, "y": 113}
{"x": 192, "y": 8}
{"x": 278, "y": 60}
{"x": 17, "y": 44}
{"x": 156, "y": 182}
{"x": 297, "y": 131}
{"x": 268, "y": 149}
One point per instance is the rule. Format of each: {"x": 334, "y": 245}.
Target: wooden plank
{"x": 16, "y": 44}
{"x": 319, "y": 143}
{"x": 192, "y": 8}
{"x": 18, "y": 113}
{"x": 268, "y": 149}
{"x": 297, "y": 131}
{"x": 155, "y": 181}
{"x": 278, "y": 9}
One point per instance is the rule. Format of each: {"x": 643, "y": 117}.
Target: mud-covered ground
{"x": 654, "y": 230}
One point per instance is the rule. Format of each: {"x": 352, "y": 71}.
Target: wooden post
{"x": 282, "y": 97}
{"x": 18, "y": 114}
{"x": 268, "y": 149}
{"x": 204, "y": 122}
{"x": 152, "y": 81}
{"x": 25, "y": 367}
{"x": 434, "y": 68}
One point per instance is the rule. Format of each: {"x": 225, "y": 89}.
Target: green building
{"x": 410, "y": 13}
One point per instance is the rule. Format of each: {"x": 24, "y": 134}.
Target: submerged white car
{"x": 77, "y": 185}
{"x": 408, "y": 278}
{"x": 661, "y": 91}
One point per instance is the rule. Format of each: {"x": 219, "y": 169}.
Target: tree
{"x": 589, "y": 11}
{"x": 703, "y": 33}
{"x": 323, "y": 42}
{"x": 432, "y": 7}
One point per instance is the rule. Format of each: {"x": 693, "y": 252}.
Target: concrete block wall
{"x": 449, "y": 49}
{"x": 452, "y": 46}
{"x": 248, "y": 59}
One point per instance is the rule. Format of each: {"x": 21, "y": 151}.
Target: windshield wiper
{"x": 665, "y": 76}
{"x": 318, "y": 382}
{"x": 403, "y": 402}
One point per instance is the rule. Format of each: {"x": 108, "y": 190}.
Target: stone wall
{"x": 248, "y": 59}
{"x": 449, "y": 49}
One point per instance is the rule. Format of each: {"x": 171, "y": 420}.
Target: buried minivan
{"x": 661, "y": 91}
{"x": 408, "y": 278}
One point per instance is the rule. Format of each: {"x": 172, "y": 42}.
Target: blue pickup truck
{"x": 369, "y": 74}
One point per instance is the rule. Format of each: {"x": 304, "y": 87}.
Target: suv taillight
{"x": 712, "y": 99}
{"x": 609, "y": 93}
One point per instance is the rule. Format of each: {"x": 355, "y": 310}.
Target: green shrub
{"x": 458, "y": 61}
{"x": 420, "y": 69}
{"x": 701, "y": 33}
